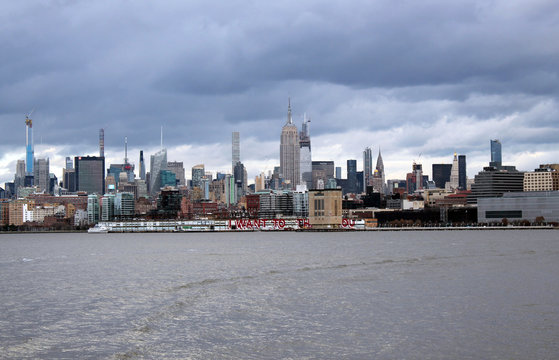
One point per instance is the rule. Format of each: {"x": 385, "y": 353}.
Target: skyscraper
{"x": 69, "y": 163}
{"x": 235, "y": 149}
{"x": 177, "y": 168}
{"x": 462, "y": 177}
{"x": 441, "y": 174}
{"x": 29, "y": 152}
{"x": 41, "y": 174}
{"x": 101, "y": 142}
{"x": 305, "y": 154}
{"x": 352, "y": 176}
{"x": 158, "y": 162}
{"x": 496, "y": 158}
{"x": 198, "y": 173}
{"x": 290, "y": 152}
{"x": 380, "y": 172}
{"x": 142, "y": 166}
{"x": 453, "y": 184}
{"x": 367, "y": 168}
{"x": 90, "y": 171}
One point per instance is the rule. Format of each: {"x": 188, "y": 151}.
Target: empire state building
{"x": 289, "y": 152}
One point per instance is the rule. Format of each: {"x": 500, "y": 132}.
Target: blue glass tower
{"x": 496, "y": 159}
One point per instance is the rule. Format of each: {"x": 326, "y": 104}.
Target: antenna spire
{"x": 161, "y": 137}
{"x": 289, "y": 119}
{"x": 126, "y": 150}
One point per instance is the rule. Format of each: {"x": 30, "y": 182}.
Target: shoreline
{"x": 379, "y": 229}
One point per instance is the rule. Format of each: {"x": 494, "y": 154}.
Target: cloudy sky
{"x": 419, "y": 79}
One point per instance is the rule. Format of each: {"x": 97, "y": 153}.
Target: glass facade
{"x": 90, "y": 174}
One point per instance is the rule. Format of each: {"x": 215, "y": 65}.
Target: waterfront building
{"x": 276, "y": 204}
{"x": 514, "y": 206}
{"x": 93, "y": 209}
{"x": 15, "y": 210}
{"x": 108, "y": 207}
{"x": 41, "y": 174}
{"x": 541, "y": 180}
{"x": 301, "y": 202}
{"x": 90, "y": 174}
{"x": 325, "y": 208}
{"x": 493, "y": 182}
{"x": 124, "y": 204}
{"x": 290, "y": 157}
{"x": 496, "y": 155}
{"x": 305, "y": 154}
{"x": 158, "y": 162}
{"x": 235, "y": 149}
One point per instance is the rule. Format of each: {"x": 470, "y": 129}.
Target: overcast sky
{"x": 419, "y": 79}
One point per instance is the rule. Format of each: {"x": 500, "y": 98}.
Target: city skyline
{"x": 373, "y": 74}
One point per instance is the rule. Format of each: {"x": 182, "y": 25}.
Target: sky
{"x": 419, "y": 80}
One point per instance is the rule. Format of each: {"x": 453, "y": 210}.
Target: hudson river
{"x": 281, "y": 295}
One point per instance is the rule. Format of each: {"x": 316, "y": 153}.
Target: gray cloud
{"x": 204, "y": 69}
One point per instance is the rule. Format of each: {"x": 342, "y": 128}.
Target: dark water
{"x": 400, "y": 295}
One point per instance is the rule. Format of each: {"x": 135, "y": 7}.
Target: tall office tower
{"x": 453, "y": 183}
{"x": 101, "y": 142}
{"x": 338, "y": 172}
{"x": 352, "y": 176}
{"x": 290, "y": 158}
{"x": 418, "y": 173}
{"x": 496, "y": 158}
{"x": 381, "y": 174}
{"x": 239, "y": 172}
{"x": 367, "y": 168}
{"x": 177, "y": 168}
{"x": 158, "y": 162}
{"x": 441, "y": 174}
{"x": 305, "y": 154}
{"x": 142, "y": 166}
{"x": 462, "y": 178}
{"x": 322, "y": 171}
{"x": 29, "y": 152}
{"x": 236, "y": 149}
{"x": 69, "y": 179}
{"x": 41, "y": 174}
{"x": 90, "y": 174}
{"x": 69, "y": 163}
{"x": 19, "y": 179}
{"x": 198, "y": 173}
